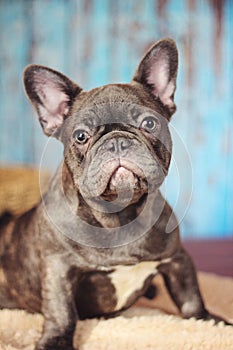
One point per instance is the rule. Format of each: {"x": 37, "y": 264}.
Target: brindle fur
{"x": 42, "y": 270}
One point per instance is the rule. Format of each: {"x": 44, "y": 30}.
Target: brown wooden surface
{"x": 99, "y": 42}
{"x": 212, "y": 255}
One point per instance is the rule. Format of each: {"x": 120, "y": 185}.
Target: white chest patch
{"x": 128, "y": 279}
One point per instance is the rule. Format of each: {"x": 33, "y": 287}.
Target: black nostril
{"x": 124, "y": 144}
{"x": 117, "y": 144}
{"x": 112, "y": 146}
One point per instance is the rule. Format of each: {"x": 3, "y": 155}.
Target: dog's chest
{"x": 129, "y": 279}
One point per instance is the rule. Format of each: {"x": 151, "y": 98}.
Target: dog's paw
{"x": 55, "y": 347}
{"x": 217, "y": 319}
{"x": 56, "y": 343}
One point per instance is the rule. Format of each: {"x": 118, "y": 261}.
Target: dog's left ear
{"x": 52, "y": 95}
{"x": 157, "y": 72}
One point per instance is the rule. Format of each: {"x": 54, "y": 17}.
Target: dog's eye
{"x": 80, "y": 136}
{"x": 149, "y": 124}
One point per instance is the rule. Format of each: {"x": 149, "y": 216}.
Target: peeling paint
{"x": 161, "y": 8}
{"x": 162, "y": 15}
{"x": 100, "y": 41}
{"x": 218, "y": 8}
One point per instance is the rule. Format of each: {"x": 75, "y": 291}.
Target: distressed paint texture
{"x": 100, "y": 41}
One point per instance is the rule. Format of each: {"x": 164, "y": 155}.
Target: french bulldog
{"x": 103, "y": 230}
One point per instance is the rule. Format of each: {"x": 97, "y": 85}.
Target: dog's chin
{"x": 123, "y": 185}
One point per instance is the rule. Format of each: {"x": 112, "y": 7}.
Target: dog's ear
{"x": 157, "y": 72}
{"x": 51, "y": 93}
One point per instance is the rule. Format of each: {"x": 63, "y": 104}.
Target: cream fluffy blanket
{"x": 146, "y": 326}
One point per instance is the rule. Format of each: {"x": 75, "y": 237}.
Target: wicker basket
{"x": 20, "y": 189}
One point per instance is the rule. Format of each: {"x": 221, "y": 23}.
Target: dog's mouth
{"x": 125, "y": 179}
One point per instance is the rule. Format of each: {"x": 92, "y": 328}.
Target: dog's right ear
{"x": 157, "y": 72}
{"x": 52, "y": 95}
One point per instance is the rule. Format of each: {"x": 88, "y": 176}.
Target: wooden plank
{"x": 227, "y": 136}
{"x": 78, "y": 48}
{"x": 16, "y": 141}
{"x": 100, "y": 41}
{"x": 48, "y": 48}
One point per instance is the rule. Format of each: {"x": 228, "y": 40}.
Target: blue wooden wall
{"x": 101, "y": 41}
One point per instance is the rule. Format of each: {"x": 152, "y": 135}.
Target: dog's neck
{"x": 97, "y": 213}
{"x": 64, "y": 210}
{"x": 99, "y": 216}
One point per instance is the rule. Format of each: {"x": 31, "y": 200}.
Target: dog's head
{"x": 115, "y": 137}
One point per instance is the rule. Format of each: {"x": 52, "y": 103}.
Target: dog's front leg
{"x": 58, "y": 306}
{"x": 181, "y": 281}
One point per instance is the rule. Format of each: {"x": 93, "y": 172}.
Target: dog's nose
{"x": 119, "y": 144}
